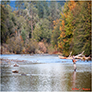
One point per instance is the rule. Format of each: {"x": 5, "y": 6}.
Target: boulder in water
{"x": 23, "y": 74}
{"x": 14, "y": 71}
{"x": 15, "y": 65}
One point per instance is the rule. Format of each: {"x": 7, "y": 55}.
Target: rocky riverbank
{"x": 15, "y": 61}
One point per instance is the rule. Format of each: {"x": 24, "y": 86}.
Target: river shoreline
{"x": 10, "y": 61}
{"x": 29, "y": 57}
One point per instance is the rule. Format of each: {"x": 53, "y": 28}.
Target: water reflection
{"x": 74, "y": 79}
{"x": 45, "y": 77}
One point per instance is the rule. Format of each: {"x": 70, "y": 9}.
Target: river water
{"x": 48, "y": 73}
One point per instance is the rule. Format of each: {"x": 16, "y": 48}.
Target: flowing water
{"x": 48, "y": 73}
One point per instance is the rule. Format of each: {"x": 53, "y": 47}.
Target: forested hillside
{"x": 58, "y": 26}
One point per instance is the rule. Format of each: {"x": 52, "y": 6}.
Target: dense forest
{"x": 46, "y": 27}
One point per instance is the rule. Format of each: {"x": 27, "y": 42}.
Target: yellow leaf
{"x": 60, "y": 28}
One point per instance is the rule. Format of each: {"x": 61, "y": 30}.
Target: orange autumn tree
{"x": 65, "y": 40}
{"x": 55, "y": 33}
{"x": 75, "y": 28}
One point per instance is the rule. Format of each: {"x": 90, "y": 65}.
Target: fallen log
{"x": 62, "y": 57}
{"x": 88, "y": 58}
{"x": 77, "y": 57}
{"x": 83, "y": 58}
{"x": 69, "y": 57}
{"x": 70, "y": 54}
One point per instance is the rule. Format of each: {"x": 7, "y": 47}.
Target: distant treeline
{"x": 62, "y": 26}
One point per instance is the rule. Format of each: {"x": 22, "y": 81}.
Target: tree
{"x": 75, "y": 28}
{"x": 32, "y": 14}
{"x": 7, "y": 25}
{"x": 65, "y": 39}
{"x": 82, "y": 28}
{"x": 43, "y": 9}
{"x": 54, "y": 10}
{"x": 31, "y": 20}
{"x": 42, "y": 30}
{"x": 56, "y": 32}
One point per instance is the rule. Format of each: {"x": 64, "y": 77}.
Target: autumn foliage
{"x": 61, "y": 26}
{"x": 73, "y": 18}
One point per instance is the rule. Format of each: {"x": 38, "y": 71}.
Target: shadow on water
{"x": 46, "y": 77}
{"x": 74, "y": 79}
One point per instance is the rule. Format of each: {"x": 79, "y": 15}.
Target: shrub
{"x": 31, "y": 45}
{"x": 15, "y": 45}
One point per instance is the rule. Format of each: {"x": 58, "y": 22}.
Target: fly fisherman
{"x": 74, "y": 63}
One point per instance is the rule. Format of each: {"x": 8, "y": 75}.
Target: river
{"x": 48, "y": 73}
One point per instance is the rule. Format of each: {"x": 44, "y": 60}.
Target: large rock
{"x": 42, "y": 47}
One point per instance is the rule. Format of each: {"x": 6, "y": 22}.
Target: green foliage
{"x": 67, "y": 28}
{"x": 23, "y": 34}
{"x": 82, "y": 35}
{"x": 42, "y": 30}
{"x": 76, "y": 28}
{"x": 31, "y": 45}
{"x": 43, "y": 9}
{"x": 56, "y": 33}
{"x": 7, "y": 25}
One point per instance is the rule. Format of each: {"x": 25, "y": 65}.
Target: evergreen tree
{"x": 82, "y": 34}
{"x": 76, "y": 28}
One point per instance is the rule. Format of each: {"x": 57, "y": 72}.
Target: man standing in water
{"x": 74, "y": 63}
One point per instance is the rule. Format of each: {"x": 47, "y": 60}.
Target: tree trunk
{"x": 31, "y": 28}
{"x": 31, "y": 23}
